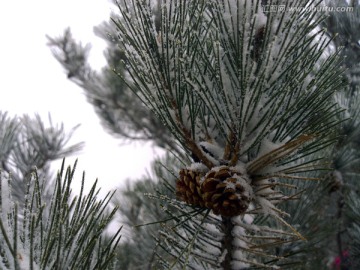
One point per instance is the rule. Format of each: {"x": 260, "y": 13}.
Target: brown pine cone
{"x": 188, "y": 187}
{"x": 226, "y": 191}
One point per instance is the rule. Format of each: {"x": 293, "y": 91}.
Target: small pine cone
{"x": 188, "y": 187}
{"x": 226, "y": 192}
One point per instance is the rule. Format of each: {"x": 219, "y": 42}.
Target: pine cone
{"x": 188, "y": 187}
{"x": 226, "y": 192}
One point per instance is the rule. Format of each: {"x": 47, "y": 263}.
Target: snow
{"x": 255, "y": 126}
{"x": 211, "y": 251}
{"x": 214, "y": 149}
{"x": 218, "y": 168}
{"x": 212, "y": 229}
{"x": 239, "y": 265}
{"x": 197, "y": 167}
{"x": 230, "y": 185}
{"x": 338, "y": 176}
{"x": 248, "y": 218}
{"x": 239, "y": 255}
{"x": 241, "y": 9}
{"x": 244, "y": 108}
{"x": 244, "y": 181}
{"x": 263, "y": 187}
{"x": 208, "y": 155}
{"x": 267, "y": 207}
{"x": 24, "y": 260}
{"x": 6, "y": 213}
{"x": 267, "y": 146}
{"x": 239, "y": 233}
{"x": 240, "y": 168}
{"x": 6, "y": 202}
{"x": 185, "y": 117}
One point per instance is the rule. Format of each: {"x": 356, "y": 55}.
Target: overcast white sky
{"x": 31, "y": 81}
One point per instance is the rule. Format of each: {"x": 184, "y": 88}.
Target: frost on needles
{"x": 248, "y": 97}
{"x": 65, "y": 232}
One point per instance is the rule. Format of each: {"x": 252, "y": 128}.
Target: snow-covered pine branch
{"x": 66, "y": 232}
{"x": 247, "y": 94}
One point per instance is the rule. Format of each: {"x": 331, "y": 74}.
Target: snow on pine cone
{"x": 226, "y": 191}
{"x": 223, "y": 189}
{"x": 188, "y": 187}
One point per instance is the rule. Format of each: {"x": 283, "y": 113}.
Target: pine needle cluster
{"x": 248, "y": 96}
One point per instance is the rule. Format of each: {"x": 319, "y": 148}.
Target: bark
{"x": 227, "y": 242}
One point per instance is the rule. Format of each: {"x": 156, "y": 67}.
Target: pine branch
{"x": 120, "y": 112}
{"x": 249, "y": 96}
{"x": 26, "y": 143}
{"x": 227, "y": 243}
{"x": 66, "y": 233}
